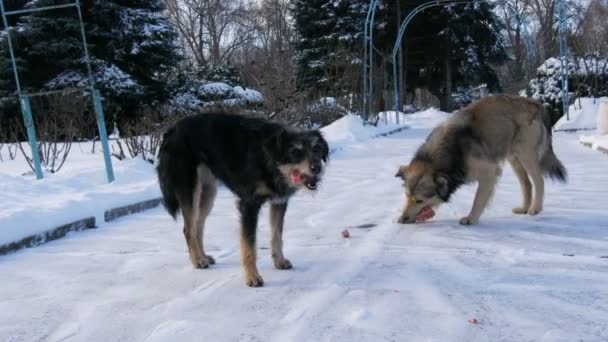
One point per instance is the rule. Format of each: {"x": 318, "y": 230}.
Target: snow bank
{"x": 352, "y": 129}
{"x": 29, "y": 207}
{"x": 425, "y": 119}
{"x": 583, "y": 116}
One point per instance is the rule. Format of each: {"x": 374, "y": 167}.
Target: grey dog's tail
{"x": 551, "y": 166}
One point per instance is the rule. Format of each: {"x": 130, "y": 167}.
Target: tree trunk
{"x": 446, "y": 99}
{"x": 519, "y": 57}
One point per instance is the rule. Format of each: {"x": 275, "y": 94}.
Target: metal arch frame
{"x": 422, "y": 7}
{"x": 368, "y": 50}
{"x": 399, "y": 40}
{"x": 24, "y": 98}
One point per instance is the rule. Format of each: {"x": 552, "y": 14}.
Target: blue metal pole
{"x": 396, "y": 88}
{"x": 26, "y": 109}
{"x": 371, "y": 58}
{"x": 365, "y": 38}
{"x": 563, "y": 54}
{"x": 103, "y": 135}
{"x": 86, "y": 47}
{"x": 101, "y": 122}
{"x": 39, "y": 9}
{"x": 28, "y": 120}
{"x": 10, "y": 47}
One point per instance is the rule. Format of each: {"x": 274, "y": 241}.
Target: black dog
{"x": 257, "y": 160}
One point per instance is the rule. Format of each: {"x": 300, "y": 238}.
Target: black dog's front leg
{"x": 277, "y": 217}
{"x": 249, "y": 210}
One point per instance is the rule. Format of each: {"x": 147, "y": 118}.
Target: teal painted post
{"x": 563, "y": 55}
{"x": 101, "y": 122}
{"x": 103, "y": 135}
{"x": 26, "y": 109}
{"x": 28, "y": 120}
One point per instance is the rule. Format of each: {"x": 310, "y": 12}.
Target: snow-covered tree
{"x": 474, "y": 31}
{"x": 205, "y": 87}
{"x": 587, "y": 77}
{"x": 330, "y": 38}
{"x": 132, "y": 48}
{"x": 9, "y": 110}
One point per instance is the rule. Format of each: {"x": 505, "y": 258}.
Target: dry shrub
{"x": 8, "y": 148}
{"x": 310, "y": 114}
{"x": 142, "y": 138}
{"x": 60, "y": 120}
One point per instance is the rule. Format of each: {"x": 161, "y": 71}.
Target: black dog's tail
{"x": 551, "y": 166}
{"x": 165, "y": 172}
{"x": 175, "y": 172}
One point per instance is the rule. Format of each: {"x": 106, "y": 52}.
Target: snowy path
{"x": 132, "y": 281}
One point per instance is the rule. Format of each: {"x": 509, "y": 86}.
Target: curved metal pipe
{"x": 399, "y": 39}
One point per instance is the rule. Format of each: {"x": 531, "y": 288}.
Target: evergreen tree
{"x": 8, "y": 89}
{"x": 475, "y": 42}
{"x": 330, "y": 40}
{"x": 131, "y": 42}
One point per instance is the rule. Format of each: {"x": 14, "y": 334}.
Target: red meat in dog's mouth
{"x": 425, "y": 214}
{"x": 298, "y": 177}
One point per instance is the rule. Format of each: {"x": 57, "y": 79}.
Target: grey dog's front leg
{"x": 485, "y": 189}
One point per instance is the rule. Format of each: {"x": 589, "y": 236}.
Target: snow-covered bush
{"x": 588, "y": 77}
{"x": 198, "y": 95}
{"x": 109, "y": 78}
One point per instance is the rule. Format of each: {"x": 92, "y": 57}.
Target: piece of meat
{"x": 425, "y": 214}
{"x": 296, "y": 177}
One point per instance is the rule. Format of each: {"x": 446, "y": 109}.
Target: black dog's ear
{"x": 275, "y": 140}
{"x": 442, "y": 185}
{"x": 401, "y": 172}
{"x": 322, "y": 143}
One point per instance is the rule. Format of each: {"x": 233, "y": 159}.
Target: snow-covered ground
{"x": 521, "y": 278}
{"x": 80, "y": 189}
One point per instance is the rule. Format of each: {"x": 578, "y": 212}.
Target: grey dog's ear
{"x": 401, "y": 172}
{"x": 442, "y": 184}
